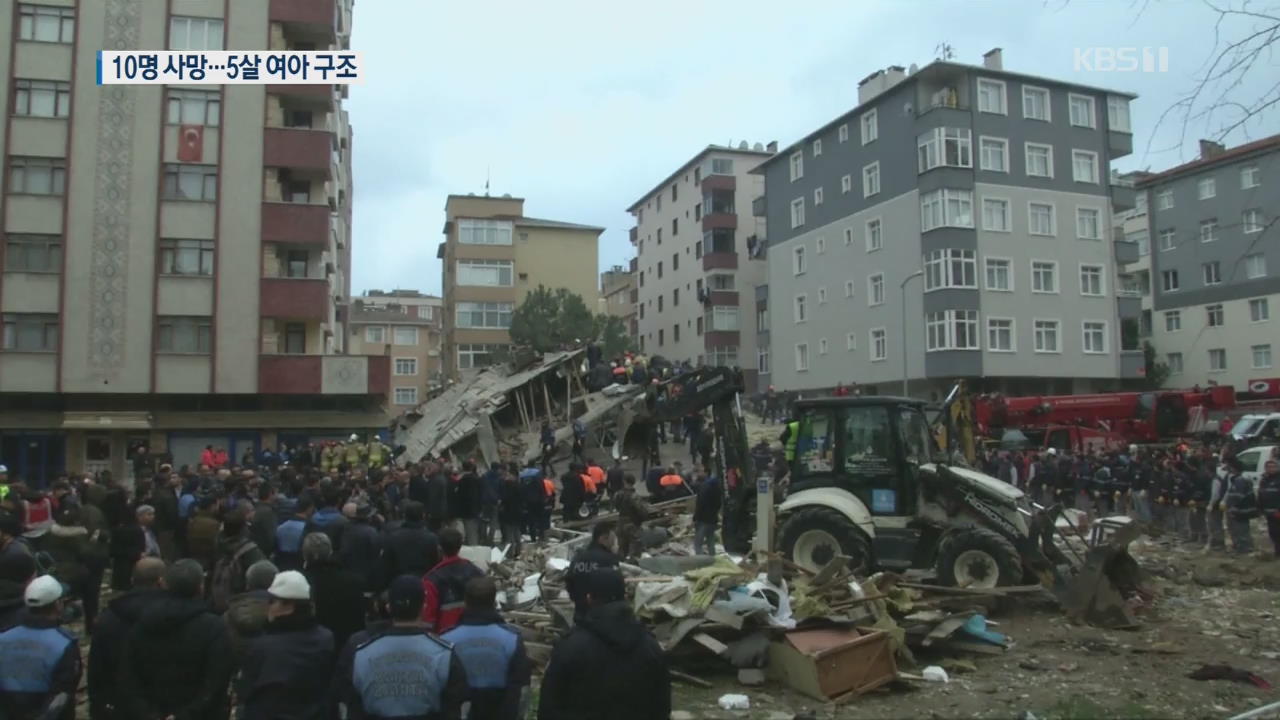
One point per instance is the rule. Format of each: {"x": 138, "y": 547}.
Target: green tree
{"x": 1157, "y": 372}
{"x": 613, "y": 336}
{"x": 549, "y": 320}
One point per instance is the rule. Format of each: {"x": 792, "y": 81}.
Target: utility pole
{"x": 906, "y": 372}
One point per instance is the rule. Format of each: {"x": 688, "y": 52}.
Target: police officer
{"x": 39, "y": 661}
{"x": 599, "y": 555}
{"x": 401, "y": 670}
{"x": 493, "y": 654}
{"x": 1269, "y": 501}
{"x": 1242, "y": 506}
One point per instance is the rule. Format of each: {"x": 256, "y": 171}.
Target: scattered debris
{"x": 933, "y": 673}
{"x": 1227, "y": 672}
{"x": 733, "y": 701}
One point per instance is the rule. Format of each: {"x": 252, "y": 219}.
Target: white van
{"x": 1257, "y": 427}
{"x": 1254, "y": 461}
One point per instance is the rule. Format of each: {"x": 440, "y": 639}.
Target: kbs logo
{"x": 1121, "y": 59}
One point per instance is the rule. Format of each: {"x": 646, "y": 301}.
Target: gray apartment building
{"x": 956, "y": 223}
{"x": 1215, "y": 264}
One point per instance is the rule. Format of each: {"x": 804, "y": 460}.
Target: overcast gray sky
{"x": 580, "y": 107}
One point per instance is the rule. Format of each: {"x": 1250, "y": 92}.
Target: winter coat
{"x": 287, "y": 671}
{"x": 202, "y": 538}
{"x": 589, "y": 559}
{"x": 361, "y": 552}
{"x": 635, "y": 685}
{"x": 74, "y": 553}
{"x": 12, "y": 604}
{"x": 510, "y": 502}
{"x": 262, "y": 528}
{"x": 106, "y": 651}
{"x": 410, "y": 549}
{"x": 706, "y": 508}
{"x": 177, "y": 661}
{"x": 339, "y": 599}
{"x": 246, "y": 618}
{"x": 444, "y": 589}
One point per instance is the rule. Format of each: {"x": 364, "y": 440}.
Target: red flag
{"x": 190, "y": 143}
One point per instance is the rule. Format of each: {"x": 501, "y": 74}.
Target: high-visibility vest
{"x": 792, "y": 437}
{"x": 671, "y": 481}
{"x": 548, "y": 487}
{"x": 597, "y": 474}
{"x": 588, "y": 484}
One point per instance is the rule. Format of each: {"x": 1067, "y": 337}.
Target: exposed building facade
{"x": 1214, "y": 264}
{"x": 405, "y": 325}
{"x": 955, "y": 224}
{"x": 174, "y": 255}
{"x": 492, "y": 256}
{"x": 700, "y": 256}
{"x": 618, "y": 294}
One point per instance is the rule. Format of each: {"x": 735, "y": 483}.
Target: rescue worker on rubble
{"x": 1201, "y": 490}
{"x": 672, "y": 485}
{"x": 789, "y": 437}
{"x": 1269, "y": 501}
{"x": 632, "y": 512}
{"x": 573, "y": 492}
{"x": 1242, "y": 507}
{"x": 599, "y": 555}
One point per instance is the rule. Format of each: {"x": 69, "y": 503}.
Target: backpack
{"x": 228, "y": 578}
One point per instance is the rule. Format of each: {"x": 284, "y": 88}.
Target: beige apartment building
{"x": 492, "y": 256}
{"x": 161, "y": 285}
{"x": 404, "y": 325}
{"x": 618, "y": 294}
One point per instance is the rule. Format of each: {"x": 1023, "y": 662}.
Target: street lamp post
{"x": 905, "y": 365}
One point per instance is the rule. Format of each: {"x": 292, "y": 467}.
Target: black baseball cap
{"x": 405, "y": 594}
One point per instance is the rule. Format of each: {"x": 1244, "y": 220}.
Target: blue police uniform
{"x": 402, "y": 672}
{"x": 38, "y": 661}
{"x": 495, "y": 661}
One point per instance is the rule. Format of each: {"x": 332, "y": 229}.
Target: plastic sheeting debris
{"x": 734, "y": 701}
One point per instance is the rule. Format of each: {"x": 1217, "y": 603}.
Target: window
{"x": 721, "y": 166}
{"x": 999, "y": 274}
{"x": 946, "y": 208}
{"x": 1084, "y": 166}
{"x": 846, "y": 183}
{"x": 30, "y": 332}
{"x": 1259, "y": 310}
{"x": 406, "y": 396}
{"x": 476, "y": 355}
{"x": 1091, "y": 280}
{"x": 1164, "y": 200}
{"x": 848, "y": 236}
{"x": 1261, "y": 356}
{"x": 295, "y": 264}
{"x": 994, "y": 154}
{"x": 1082, "y": 113}
{"x": 879, "y": 345}
{"x": 675, "y": 297}
{"x": 1217, "y": 360}
{"x": 33, "y": 254}
{"x": 675, "y": 332}
{"x": 675, "y": 223}
{"x": 675, "y": 261}
{"x": 1041, "y": 220}
{"x": 871, "y": 179}
{"x": 848, "y": 288}
{"x": 725, "y": 317}
{"x": 183, "y": 335}
{"x": 1209, "y": 230}
{"x": 660, "y": 299}
{"x": 1174, "y": 361}
{"x": 658, "y": 234}
{"x": 842, "y": 134}
{"x": 188, "y": 33}
{"x": 1214, "y": 315}
{"x": 37, "y": 175}
{"x": 41, "y": 23}
{"x": 375, "y": 334}
{"x": 822, "y": 295}
{"x": 995, "y": 214}
{"x": 404, "y": 336}
{"x": 870, "y": 127}
{"x": 1088, "y": 223}
{"x": 1035, "y": 103}
{"x": 1172, "y": 320}
{"x": 193, "y": 107}
{"x": 1166, "y": 240}
{"x": 801, "y": 308}
{"x": 1206, "y": 188}
{"x": 1169, "y": 280}
{"x": 802, "y": 357}
{"x": 950, "y": 269}
{"x": 762, "y": 361}
{"x": 406, "y": 366}
{"x": 1143, "y": 241}
{"x": 874, "y": 239}
{"x": 951, "y": 330}
{"x": 1044, "y": 276}
{"x": 797, "y": 212}
{"x": 484, "y": 232}
{"x": 1046, "y": 336}
{"x": 485, "y": 273}
{"x": 41, "y": 98}
{"x": 1118, "y": 113}
{"x": 1211, "y": 272}
{"x": 875, "y": 289}
{"x": 991, "y": 97}
{"x": 817, "y": 149}
{"x": 1039, "y": 160}
{"x": 822, "y": 346}
{"x": 798, "y": 264}
{"x": 1251, "y": 221}
{"x": 494, "y": 315}
{"x": 674, "y": 192}
{"x": 797, "y": 165}
{"x": 1250, "y": 177}
{"x": 721, "y": 282}
{"x": 1000, "y": 335}
{"x": 188, "y": 257}
{"x": 851, "y": 341}
{"x": 762, "y": 319}
{"x": 817, "y": 196}
{"x": 1255, "y": 266}
{"x": 821, "y": 244}
{"x": 191, "y": 182}
{"x": 952, "y": 147}
{"x": 1094, "y": 337}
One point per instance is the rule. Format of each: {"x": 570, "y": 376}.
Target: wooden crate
{"x": 832, "y": 664}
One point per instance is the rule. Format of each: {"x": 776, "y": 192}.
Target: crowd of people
{"x": 310, "y": 591}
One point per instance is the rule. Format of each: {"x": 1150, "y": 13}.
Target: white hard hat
{"x": 1053, "y": 451}
{"x": 290, "y": 585}
{"x": 354, "y": 437}
{"x": 44, "y": 590}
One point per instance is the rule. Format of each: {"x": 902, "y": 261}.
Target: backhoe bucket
{"x": 1098, "y": 594}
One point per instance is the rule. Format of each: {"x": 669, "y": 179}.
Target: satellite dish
{"x": 912, "y": 70}
{"x": 506, "y": 195}
{"x": 742, "y": 145}
{"x": 758, "y": 147}
{"x": 908, "y": 109}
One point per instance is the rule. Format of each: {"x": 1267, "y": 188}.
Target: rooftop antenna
{"x": 944, "y": 51}
{"x": 486, "y": 181}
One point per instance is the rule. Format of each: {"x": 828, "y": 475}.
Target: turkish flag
{"x": 190, "y": 143}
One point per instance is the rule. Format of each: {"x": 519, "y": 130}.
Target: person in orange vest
{"x": 597, "y": 477}
{"x": 672, "y": 485}
{"x": 549, "y": 503}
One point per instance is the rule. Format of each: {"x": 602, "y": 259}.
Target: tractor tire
{"x": 977, "y": 558}
{"x": 813, "y": 536}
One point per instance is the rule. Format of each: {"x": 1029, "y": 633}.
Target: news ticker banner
{"x": 229, "y": 67}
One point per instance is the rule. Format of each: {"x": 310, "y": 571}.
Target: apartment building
{"x": 618, "y": 294}
{"x": 1214, "y": 264}
{"x": 492, "y": 256}
{"x": 174, "y": 255}
{"x": 700, "y": 256}
{"x": 955, "y": 224}
{"x": 405, "y": 325}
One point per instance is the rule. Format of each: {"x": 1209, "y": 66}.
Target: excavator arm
{"x": 954, "y": 426}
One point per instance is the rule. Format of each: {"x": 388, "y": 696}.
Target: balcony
{"x": 1119, "y": 144}
{"x": 314, "y": 17}
{"x": 719, "y": 182}
{"x": 720, "y": 338}
{"x": 321, "y": 95}
{"x": 634, "y": 296}
{"x": 1132, "y": 364}
{"x": 1128, "y": 306}
{"x": 298, "y": 148}
{"x": 295, "y": 298}
{"x": 723, "y": 297}
{"x": 1123, "y": 196}
{"x": 720, "y": 261}
{"x": 719, "y": 221}
{"x": 295, "y": 224}
{"x": 758, "y": 207}
{"x": 324, "y": 374}
{"x": 635, "y": 235}
{"x": 1126, "y": 252}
